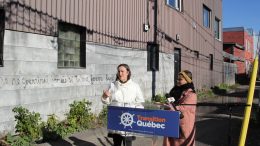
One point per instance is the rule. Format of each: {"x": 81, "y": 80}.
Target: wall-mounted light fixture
{"x": 146, "y": 27}
{"x": 194, "y": 25}
{"x": 177, "y": 37}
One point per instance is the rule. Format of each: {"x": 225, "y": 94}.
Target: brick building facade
{"x": 242, "y": 48}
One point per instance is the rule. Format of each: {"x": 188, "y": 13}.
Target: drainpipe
{"x": 155, "y": 21}
{"x": 155, "y": 42}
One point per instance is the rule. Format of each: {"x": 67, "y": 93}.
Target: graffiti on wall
{"x": 50, "y": 81}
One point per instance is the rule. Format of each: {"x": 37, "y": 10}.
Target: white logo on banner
{"x": 127, "y": 119}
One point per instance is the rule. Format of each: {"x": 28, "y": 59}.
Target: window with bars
{"x": 2, "y": 30}
{"x": 71, "y": 46}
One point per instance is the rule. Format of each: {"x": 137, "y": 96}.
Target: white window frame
{"x": 206, "y": 18}
{"x": 176, "y": 4}
{"x": 217, "y": 28}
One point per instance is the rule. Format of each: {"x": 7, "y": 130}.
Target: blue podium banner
{"x": 152, "y": 122}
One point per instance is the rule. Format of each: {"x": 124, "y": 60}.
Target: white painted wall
{"x": 30, "y": 76}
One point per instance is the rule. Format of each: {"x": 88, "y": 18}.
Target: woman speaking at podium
{"x": 126, "y": 93}
{"x": 185, "y": 102}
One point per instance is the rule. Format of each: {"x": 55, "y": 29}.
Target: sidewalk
{"x": 98, "y": 137}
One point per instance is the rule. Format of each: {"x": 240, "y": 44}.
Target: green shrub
{"x": 205, "y": 94}
{"x": 150, "y": 105}
{"x": 28, "y": 123}
{"x": 223, "y": 86}
{"x": 226, "y": 86}
{"x": 102, "y": 116}
{"x": 30, "y": 128}
{"x": 79, "y": 116}
{"x": 53, "y": 129}
{"x": 18, "y": 140}
{"x": 159, "y": 98}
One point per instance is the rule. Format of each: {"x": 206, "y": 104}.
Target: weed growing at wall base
{"x": 30, "y": 128}
{"x": 102, "y": 117}
{"x": 28, "y": 123}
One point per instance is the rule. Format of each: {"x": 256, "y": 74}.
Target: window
{"x": 206, "y": 16}
{"x": 211, "y": 61}
{"x": 247, "y": 45}
{"x": 72, "y": 46}
{"x": 176, "y": 4}
{"x": 2, "y": 30}
{"x": 217, "y": 28}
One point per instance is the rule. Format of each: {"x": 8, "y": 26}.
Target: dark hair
{"x": 127, "y": 68}
{"x": 188, "y": 73}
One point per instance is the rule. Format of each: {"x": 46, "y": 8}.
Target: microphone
{"x": 171, "y": 100}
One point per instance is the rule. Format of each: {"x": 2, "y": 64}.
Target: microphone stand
{"x": 171, "y": 102}
{"x": 181, "y": 117}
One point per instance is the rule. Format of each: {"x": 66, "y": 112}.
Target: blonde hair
{"x": 187, "y": 75}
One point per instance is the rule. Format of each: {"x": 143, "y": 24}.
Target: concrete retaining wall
{"x": 30, "y": 76}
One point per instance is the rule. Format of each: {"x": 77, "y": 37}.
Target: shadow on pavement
{"x": 74, "y": 142}
{"x": 60, "y": 142}
{"x": 79, "y": 142}
{"x": 218, "y": 131}
{"x": 239, "y": 93}
{"x": 107, "y": 140}
{"x": 217, "y": 128}
{"x": 242, "y": 94}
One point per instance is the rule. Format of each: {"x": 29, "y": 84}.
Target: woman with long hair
{"x": 126, "y": 93}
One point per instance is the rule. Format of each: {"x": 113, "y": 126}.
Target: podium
{"x": 144, "y": 121}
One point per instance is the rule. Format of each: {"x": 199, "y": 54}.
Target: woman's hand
{"x": 106, "y": 94}
{"x": 168, "y": 106}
